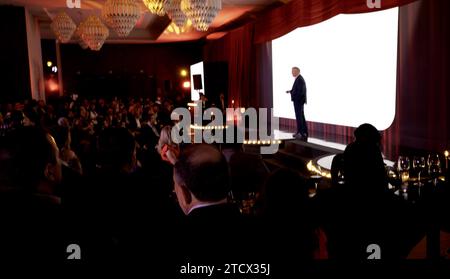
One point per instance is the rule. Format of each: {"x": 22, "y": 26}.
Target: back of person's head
{"x": 364, "y": 168}
{"x": 61, "y": 135}
{"x": 30, "y": 116}
{"x": 367, "y": 133}
{"x": 64, "y": 122}
{"x": 35, "y": 158}
{"x": 116, "y": 148}
{"x": 203, "y": 170}
{"x": 17, "y": 118}
{"x": 165, "y": 137}
{"x": 284, "y": 193}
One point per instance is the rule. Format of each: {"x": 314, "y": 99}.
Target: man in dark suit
{"x": 201, "y": 181}
{"x": 298, "y": 96}
{"x": 201, "y": 186}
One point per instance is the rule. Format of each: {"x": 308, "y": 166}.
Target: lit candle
{"x": 446, "y": 159}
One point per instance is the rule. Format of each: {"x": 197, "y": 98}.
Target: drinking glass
{"x": 403, "y": 165}
{"x": 394, "y": 178}
{"x": 419, "y": 165}
{"x": 434, "y": 167}
{"x": 340, "y": 177}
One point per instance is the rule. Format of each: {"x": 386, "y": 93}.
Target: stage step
{"x": 299, "y": 146}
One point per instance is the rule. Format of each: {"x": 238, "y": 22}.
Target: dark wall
{"x": 14, "y": 66}
{"x": 127, "y": 70}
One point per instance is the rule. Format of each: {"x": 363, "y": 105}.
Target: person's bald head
{"x": 203, "y": 170}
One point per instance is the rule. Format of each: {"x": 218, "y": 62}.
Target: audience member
{"x": 201, "y": 185}
{"x": 30, "y": 211}
{"x": 364, "y": 212}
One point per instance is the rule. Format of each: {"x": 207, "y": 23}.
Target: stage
{"x": 296, "y": 154}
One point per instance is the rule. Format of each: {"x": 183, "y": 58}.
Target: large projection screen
{"x": 349, "y": 63}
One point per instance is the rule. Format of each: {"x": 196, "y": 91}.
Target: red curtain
{"x": 237, "y": 49}
{"x": 282, "y": 20}
{"x": 422, "y": 117}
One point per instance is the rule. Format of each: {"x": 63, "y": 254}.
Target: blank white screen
{"x": 197, "y": 69}
{"x": 349, "y": 63}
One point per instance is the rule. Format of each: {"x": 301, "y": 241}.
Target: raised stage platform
{"x": 296, "y": 154}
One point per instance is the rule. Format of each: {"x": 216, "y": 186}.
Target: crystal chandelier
{"x": 173, "y": 28}
{"x": 78, "y": 38}
{"x": 173, "y": 9}
{"x": 121, "y": 15}
{"x": 201, "y": 12}
{"x": 94, "y": 32}
{"x": 63, "y": 27}
{"x": 156, "y": 6}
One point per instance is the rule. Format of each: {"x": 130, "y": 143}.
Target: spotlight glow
{"x": 186, "y": 84}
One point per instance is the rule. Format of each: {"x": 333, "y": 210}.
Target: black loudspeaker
{"x": 197, "y": 82}
{"x": 216, "y": 81}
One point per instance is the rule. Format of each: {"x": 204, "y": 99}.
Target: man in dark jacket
{"x": 212, "y": 225}
{"x": 298, "y": 96}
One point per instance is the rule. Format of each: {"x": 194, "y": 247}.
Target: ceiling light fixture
{"x": 173, "y": 9}
{"x": 173, "y": 28}
{"x": 156, "y": 6}
{"x": 63, "y": 27}
{"x": 121, "y": 15}
{"x": 94, "y": 32}
{"x": 201, "y": 12}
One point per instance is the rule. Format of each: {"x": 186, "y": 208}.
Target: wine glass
{"x": 419, "y": 165}
{"x": 403, "y": 165}
{"x": 394, "y": 178}
{"x": 340, "y": 177}
{"x": 434, "y": 167}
